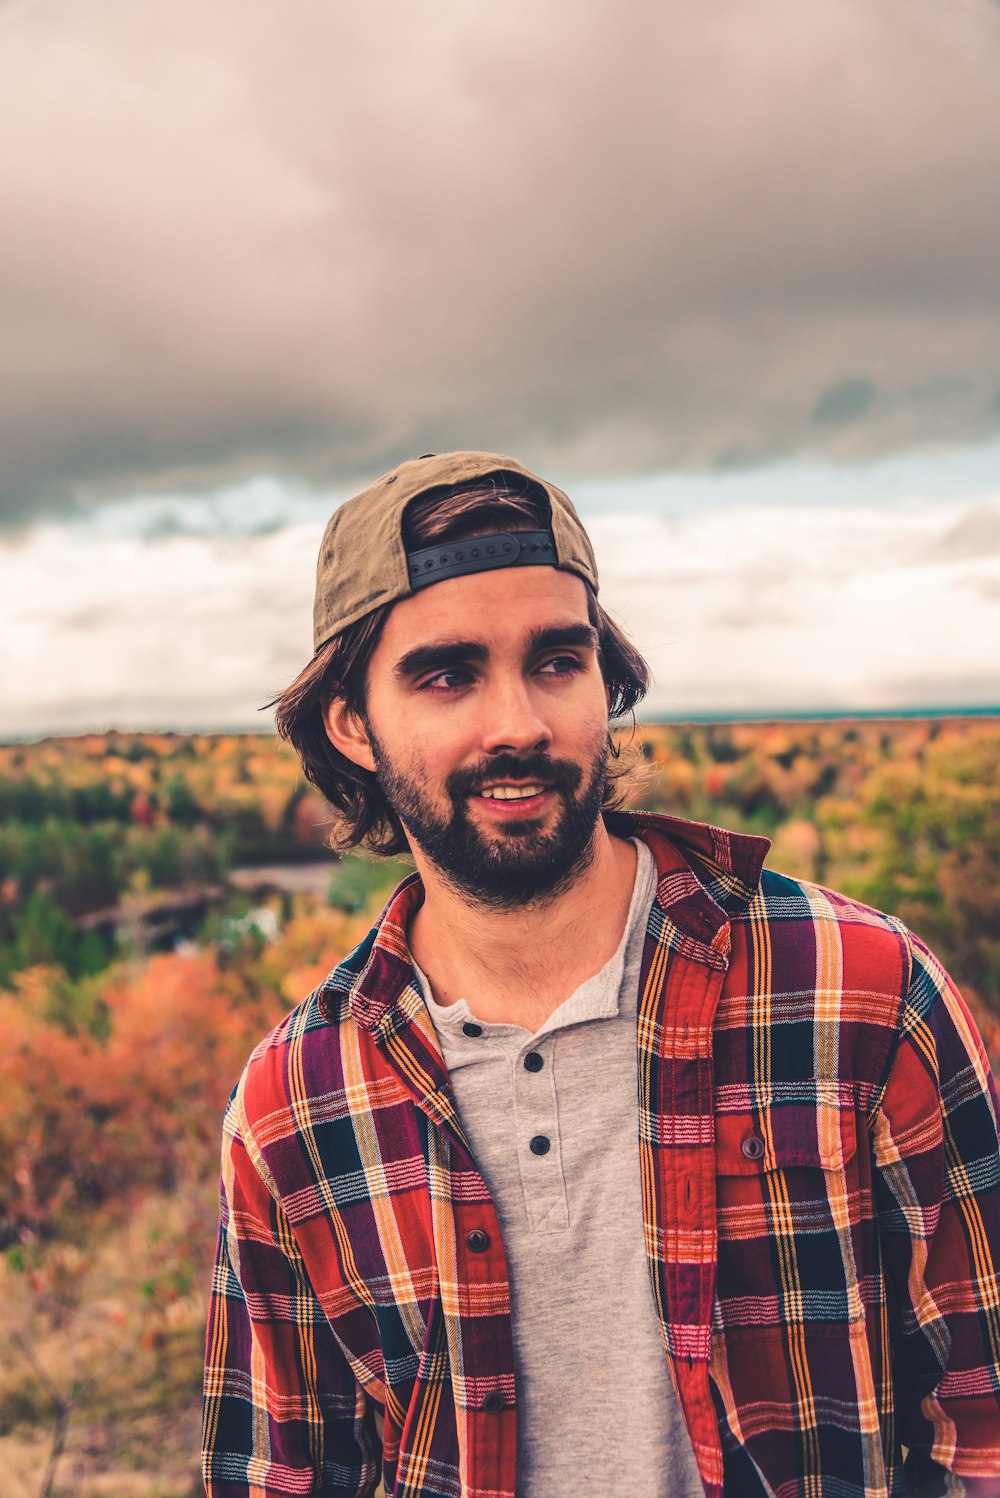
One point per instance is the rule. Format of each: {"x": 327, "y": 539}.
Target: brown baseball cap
{"x": 363, "y": 562}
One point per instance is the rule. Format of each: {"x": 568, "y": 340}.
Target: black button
{"x": 478, "y": 1241}
{"x": 753, "y": 1147}
{"x": 539, "y": 1145}
{"x": 533, "y": 1062}
{"x": 493, "y": 1402}
{"x": 472, "y": 1030}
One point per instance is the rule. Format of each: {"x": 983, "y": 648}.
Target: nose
{"x": 511, "y": 718}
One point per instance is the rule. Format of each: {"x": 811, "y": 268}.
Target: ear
{"x": 346, "y": 732}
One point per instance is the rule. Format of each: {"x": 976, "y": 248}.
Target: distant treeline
{"x": 903, "y": 813}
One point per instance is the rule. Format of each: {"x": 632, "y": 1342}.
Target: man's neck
{"x": 517, "y": 966}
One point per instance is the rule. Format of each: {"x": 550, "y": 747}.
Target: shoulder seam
{"x": 904, "y": 938}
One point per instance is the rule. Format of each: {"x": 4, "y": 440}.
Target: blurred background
{"x": 726, "y": 273}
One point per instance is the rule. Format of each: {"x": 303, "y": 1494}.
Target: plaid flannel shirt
{"x": 819, "y": 1163}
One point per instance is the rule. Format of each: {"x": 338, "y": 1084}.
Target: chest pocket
{"x": 794, "y": 1136}
{"x": 787, "y": 1199}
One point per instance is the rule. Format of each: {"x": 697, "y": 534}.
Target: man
{"x": 607, "y": 1163}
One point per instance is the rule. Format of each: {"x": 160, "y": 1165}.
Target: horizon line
{"x": 674, "y": 720}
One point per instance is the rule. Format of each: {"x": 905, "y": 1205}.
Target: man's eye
{"x": 445, "y": 681}
{"x": 560, "y": 665}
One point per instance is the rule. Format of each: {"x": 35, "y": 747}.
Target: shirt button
{"x": 478, "y": 1241}
{"x": 471, "y": 1030}
{"x": 539, "y": 1145}
{"x": 533, "y": 1062}
{"x": 493, "y": 1402}
{"x": 753, "y": 1147}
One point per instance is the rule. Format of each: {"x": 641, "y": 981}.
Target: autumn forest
{"x": 165, "y": 899}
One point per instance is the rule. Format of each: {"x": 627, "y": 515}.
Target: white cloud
{"x": 752, "y": 610}
{"x": 760, "y": 610}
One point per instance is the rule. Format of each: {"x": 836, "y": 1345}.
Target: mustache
{"x": 560, "y": 774}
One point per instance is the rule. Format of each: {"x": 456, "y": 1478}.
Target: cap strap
{"x": 481, "y": 554}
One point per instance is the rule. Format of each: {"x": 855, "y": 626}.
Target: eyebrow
{"x": 554, "y": 635}
{"x": 440, "y": 655}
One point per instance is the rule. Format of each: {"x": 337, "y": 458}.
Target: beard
{"x": 518, "y": 864}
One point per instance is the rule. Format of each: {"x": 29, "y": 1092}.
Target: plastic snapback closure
{"x": 432, "y": 564}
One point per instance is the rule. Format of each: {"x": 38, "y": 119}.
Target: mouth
{"x": 508, "y": 792}
{"x": 508, "y": 802}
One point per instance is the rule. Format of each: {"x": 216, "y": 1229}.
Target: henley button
{"x": 539, "y": 1145}
{"x": 533, "y": 1062}
{"x": 471, "y": 1030}
{"x": 753, "y": 1147}
{"x": 478, "y": 1241}
{"x": 493, "y": 1402}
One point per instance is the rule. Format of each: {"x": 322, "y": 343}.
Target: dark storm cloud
{"x": 245, "y": 239}
{"x": 845, "y": 402}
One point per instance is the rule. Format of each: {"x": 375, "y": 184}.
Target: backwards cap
{"x": 363, "y": 562}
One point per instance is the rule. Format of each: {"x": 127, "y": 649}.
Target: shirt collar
{"x": 705, "y": 875}
{"x": 728, "y": 864}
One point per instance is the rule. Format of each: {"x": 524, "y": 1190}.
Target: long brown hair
{"x": 340, "y": 667}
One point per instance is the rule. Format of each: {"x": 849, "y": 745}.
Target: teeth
{"x": 511, "y": 792}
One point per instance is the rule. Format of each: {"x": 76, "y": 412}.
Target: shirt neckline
{"x": 597, "y": 997}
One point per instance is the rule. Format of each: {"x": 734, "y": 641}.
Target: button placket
{"x": 536, "y": 1108}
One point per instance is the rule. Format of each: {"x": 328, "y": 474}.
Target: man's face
{"x": 486, "y": 722}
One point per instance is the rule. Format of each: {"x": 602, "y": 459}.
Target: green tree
{"x": 939, "y": 852}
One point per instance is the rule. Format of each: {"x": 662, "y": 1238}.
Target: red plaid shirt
{"x": 818, "y": 1150}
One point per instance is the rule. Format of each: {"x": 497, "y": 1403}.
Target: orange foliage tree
{"x": 90, "y": 1114}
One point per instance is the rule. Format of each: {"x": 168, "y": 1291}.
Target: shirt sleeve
{"x": 283, "y": 1413}
{"x": 937, "y": 1197}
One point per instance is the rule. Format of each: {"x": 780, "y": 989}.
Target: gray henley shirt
{"x": 553, "y": 1120}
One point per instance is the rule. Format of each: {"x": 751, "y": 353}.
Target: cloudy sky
{"x": 727, "y": 272}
